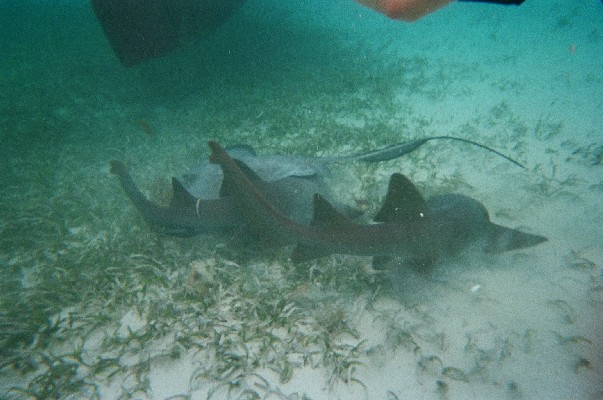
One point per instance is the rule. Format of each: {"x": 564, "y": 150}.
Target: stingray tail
{"x": 400, "y": 149}
{"x": 483, "y": 146}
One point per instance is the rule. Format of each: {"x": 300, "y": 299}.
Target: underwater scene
{"x": 302, "y": 200}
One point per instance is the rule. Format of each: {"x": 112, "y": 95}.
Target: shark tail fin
{"x": 403, "y": 202}
{"x": 228, "y": 183}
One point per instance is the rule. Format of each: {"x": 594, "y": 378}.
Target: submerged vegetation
{"x": 93, "y": 303}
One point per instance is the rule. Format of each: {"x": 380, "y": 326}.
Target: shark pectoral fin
{"x": 403, "y": 202}
{"x": 303, "y": 253}
{"x": 502, "y": 239}
{"x": 181, "y": 197}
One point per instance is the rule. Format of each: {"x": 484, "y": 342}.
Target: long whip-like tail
{"x": 400, "y": 149}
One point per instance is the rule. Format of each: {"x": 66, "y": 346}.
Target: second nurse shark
{"x": 409, "y": 227}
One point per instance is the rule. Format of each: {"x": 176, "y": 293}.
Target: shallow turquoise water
{"x": 314, "y": 78}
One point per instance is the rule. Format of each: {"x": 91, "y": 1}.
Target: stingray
{"x": 199, "y": 207}
{"x": 407, "y": 226}
{"x": 204, "y": 179}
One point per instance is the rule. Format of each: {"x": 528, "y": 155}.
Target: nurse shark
{"x": 407, "y": 226}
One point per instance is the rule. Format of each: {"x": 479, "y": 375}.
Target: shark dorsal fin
{"x": 181, "y": 197}
{"x": 403, "y": 202}
{"x": 226, "y": 188}
{"x": 325, "y": 215}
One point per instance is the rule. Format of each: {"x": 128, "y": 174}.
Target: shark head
{"x": 455, "y": 220}
{"x": 473, "y": 218}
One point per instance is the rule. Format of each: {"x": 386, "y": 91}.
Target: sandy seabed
{"x": 94, "y": 305}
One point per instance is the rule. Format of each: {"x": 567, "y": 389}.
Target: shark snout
{"x": 503, "y": 239}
